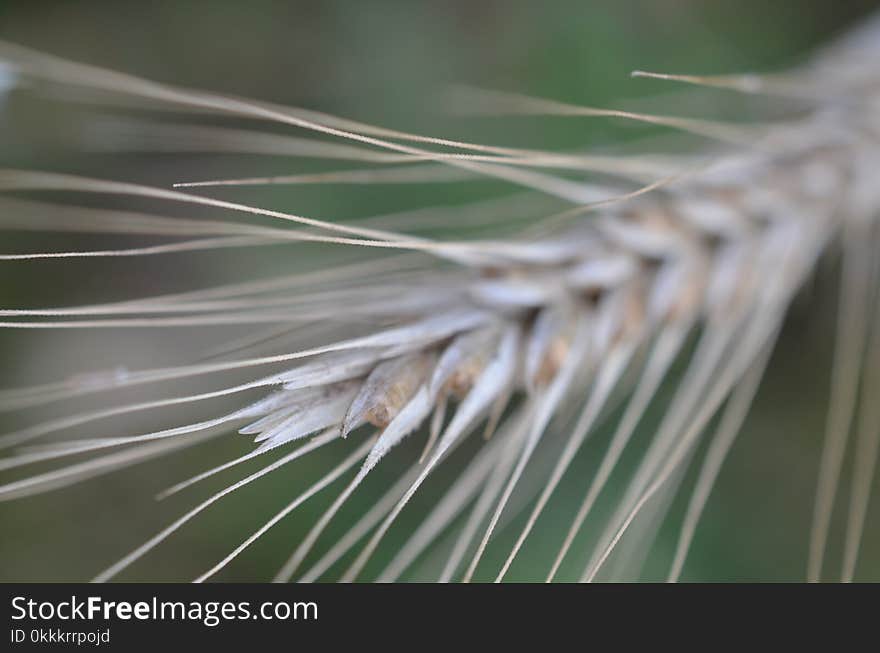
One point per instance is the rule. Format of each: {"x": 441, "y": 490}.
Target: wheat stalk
{"x": 532, "y": 335}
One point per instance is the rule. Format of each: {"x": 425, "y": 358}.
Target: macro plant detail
{"x": 518, "y": 337}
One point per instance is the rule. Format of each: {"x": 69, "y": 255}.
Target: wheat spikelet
{"x": 528, "y": 328}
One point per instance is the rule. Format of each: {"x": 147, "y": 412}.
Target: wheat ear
{"x": 545, "y": 312}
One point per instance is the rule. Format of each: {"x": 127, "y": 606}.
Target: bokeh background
{"x": 387, "y": 63}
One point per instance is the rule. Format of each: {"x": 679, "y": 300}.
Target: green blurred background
{"x": 387, "y": 63}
